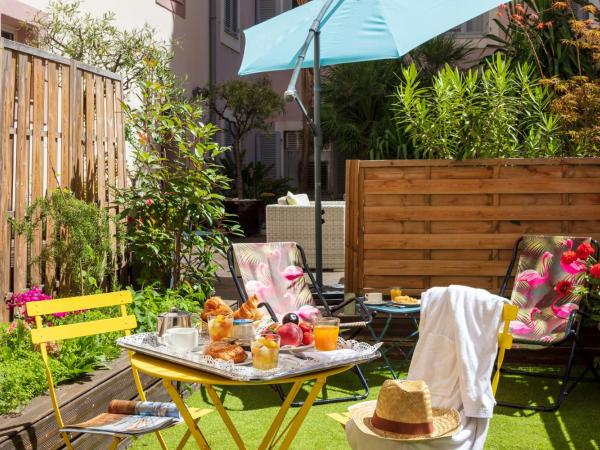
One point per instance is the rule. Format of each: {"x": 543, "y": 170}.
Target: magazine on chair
{"x": 129, "y": 418}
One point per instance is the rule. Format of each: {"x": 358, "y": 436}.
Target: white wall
{"x": 191, "y": 57}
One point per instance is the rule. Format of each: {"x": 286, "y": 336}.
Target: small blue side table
{"x": 392, "y": 310}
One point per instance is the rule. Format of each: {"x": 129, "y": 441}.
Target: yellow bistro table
{"x": 169, "y": 372}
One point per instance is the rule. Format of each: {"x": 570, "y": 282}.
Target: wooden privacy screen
{"x": 419, "y": 224}
{"x": 62, "y": 125}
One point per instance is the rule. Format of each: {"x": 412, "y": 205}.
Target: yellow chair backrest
{"x": 505, "y": 340}
{"x": 42, "y": 335}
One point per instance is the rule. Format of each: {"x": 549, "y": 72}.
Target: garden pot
{"x": 250, "y": 214}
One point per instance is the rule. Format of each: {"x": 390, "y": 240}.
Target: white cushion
{"x": 298, "y": 199}
{"x": 282, "y": 201}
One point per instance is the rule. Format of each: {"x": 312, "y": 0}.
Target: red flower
{"x": 149, "y": 202}
{"x": 130, "y": 219}
{"x": 549, "y": 24}
{"x": 503, "y": 6}
{"x": 563, "y": 288}
{"x": 595, "y": 271}
{"x": 517, "y": 17}
{"x": 568, "y": 257}
{"x": 520, "y": 8}
{"x": 540, "y": 26}
{"x": 585, "y": 250}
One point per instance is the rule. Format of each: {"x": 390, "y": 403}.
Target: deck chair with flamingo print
{"x": 274, "y": 271}
{"x": 551, "y": 308}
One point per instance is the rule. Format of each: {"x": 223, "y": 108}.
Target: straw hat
{"x": 403, "y": 412}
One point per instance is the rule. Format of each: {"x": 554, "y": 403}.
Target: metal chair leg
{"x": 565, "y": 387}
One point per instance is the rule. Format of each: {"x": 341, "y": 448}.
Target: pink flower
{"x": 149, "y": 202}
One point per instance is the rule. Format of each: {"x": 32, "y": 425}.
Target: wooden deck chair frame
{"x": 505, "y": 340}
{"x": 571, "y": 336}
{"x": 42, "y": 335}
{"x": 330, "y": 311}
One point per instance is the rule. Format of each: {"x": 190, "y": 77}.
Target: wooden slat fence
{"x": 61, "y": 126}
{"x": 419, "y": 224}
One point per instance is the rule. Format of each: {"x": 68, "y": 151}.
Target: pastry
{"x": 406, "y": 300}
{"x": 249, "y": 310}
{"x": 213, "y": 306}
{"x": 226, "y": 352}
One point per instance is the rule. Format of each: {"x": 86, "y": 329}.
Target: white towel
{"x": 458, "y": 341}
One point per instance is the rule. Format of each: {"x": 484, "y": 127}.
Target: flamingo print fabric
{"x": 549, "y": 270}
{"x": 273, "y": 271}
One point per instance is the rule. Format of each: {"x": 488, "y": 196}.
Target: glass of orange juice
{"x": 326, "y": 331}
{"x": 395, "y": 292}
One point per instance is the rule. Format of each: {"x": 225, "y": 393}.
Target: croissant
{"x": 215, "y": 305}
{"x": 249, "y": 310}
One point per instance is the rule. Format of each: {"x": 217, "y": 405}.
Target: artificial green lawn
{"x": 576, "y": 425}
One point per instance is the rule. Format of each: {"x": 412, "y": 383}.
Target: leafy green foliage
{"x": 535, "y": 31}
{"x": 149, "y": 302}
{"x": 175, "y": 214}
{"x": 22, "y": 375}
{"x": 258, "y": 182}
{"x": 96, "y": 40}
{"x": 81, "y": 246}
{"x": 243, "y": 106}
{"x": 357, "y": 100}
{"x": 500, "y": 113}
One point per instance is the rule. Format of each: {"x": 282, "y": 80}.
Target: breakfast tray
{"x": 290, "y": 364}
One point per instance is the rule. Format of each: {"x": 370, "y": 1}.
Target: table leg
{"x": 187, "y": 417}
{"x": 276, "y": 425}
{"x": 300, "y": 416}
{"x": 221, "y": 410}
{"x": 379, "y": 338}
{"x": 115, "y": 443}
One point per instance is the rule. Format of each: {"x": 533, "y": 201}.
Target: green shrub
{"x": 150, "y": 302}
{"x": 500, "y": 113}
{"x": 83, "y": 257}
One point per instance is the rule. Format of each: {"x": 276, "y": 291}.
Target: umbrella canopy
{"x": 326, "y": 32}
{"x": 354, "y": 31}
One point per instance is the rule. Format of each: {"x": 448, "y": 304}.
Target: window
{"x": 266, "y": 9}
{"x": 293, "y": 141}
{"x": 477, "y": 25}
{"x": 231, "y": 18}
{"x": 8, "y": 35}
{"x": 176, "y": 6}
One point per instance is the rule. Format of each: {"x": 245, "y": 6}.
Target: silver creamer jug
{"x": 173, "y": 318}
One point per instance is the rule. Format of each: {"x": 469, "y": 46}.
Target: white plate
{"x": 375, "y": 303}
{"x": 300, "y": 348}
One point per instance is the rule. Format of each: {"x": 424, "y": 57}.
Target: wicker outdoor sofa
{"x": 297, "y": 224}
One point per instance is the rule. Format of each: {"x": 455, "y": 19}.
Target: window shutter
{"x": 230, "y": 21}
{"x": 268, "y": 144}
{"x": 293, "y": 141}
{"x": 265, "y": 9}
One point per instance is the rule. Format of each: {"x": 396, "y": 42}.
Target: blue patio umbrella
{"x": 328, "y": 32}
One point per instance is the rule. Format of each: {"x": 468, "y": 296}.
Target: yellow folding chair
{"x": 505, "y": 339}
{"x": 42, "y": 335}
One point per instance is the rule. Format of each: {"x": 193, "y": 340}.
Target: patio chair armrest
{"x": 363, "y": 311}
{"x": 270, "y": 310}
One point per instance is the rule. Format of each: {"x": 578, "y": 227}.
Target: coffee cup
{"x": 181, "y": 339}
{"x": 374, "y": 297}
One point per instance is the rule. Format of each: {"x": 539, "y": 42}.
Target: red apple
{"x": 306, "y": 327}
{"x": 291, "y": 334}
{"x": 308, "y": 338}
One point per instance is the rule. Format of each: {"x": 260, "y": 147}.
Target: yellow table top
{"x": 160, "y": 368}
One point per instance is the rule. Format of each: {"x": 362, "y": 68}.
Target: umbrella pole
{"x": 318, "y": 144}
